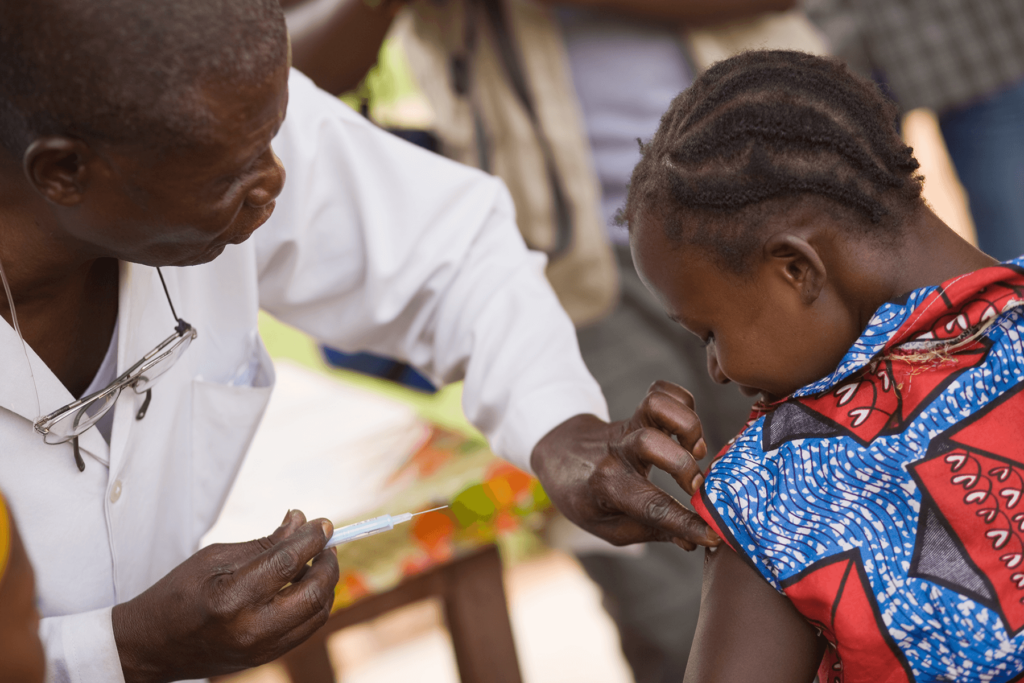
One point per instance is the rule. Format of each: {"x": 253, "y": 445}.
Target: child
{"x": 872, "y": 509}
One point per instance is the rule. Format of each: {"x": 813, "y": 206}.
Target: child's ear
{"x": 798, "y": 264}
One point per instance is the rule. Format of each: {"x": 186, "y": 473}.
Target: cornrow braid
{"x": 762, "y": 130}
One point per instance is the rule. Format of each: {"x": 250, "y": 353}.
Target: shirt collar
{"x": 914, "y": 314}
{"x": 17, "y": 394}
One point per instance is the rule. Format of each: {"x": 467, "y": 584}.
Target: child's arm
{"x": 747, "y": 630}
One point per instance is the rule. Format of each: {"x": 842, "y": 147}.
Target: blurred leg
{"x": 654, "y": 598}
{"x": 986, "y": 144}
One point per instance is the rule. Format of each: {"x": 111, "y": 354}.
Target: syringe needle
{"x": 415, "y": 514}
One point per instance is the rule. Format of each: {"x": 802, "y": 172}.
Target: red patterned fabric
{"x": 886, "y": 501}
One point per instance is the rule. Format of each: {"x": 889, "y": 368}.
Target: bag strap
{"x": 496, "y": 17}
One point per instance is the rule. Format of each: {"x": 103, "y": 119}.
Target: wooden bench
{"x": 472, "y": 592}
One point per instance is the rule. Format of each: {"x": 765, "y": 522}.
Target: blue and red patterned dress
{"x": 886, "y": 501}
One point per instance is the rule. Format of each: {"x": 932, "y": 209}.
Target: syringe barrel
{"x": 360, "y": 529}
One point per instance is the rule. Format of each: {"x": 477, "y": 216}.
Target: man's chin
{"x": 205, "y": 257}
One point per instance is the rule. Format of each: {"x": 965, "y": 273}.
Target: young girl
{"x": 873, "y": 508}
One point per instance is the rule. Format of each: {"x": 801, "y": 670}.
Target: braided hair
{"x": 760, "y": 132}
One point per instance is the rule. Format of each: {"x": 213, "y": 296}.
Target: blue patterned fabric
{"x": 883, "y": 499}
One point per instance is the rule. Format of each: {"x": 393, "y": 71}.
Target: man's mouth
{"x": 263, "y": 217}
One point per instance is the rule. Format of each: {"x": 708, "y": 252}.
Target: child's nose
{"x": 713, "y": 368}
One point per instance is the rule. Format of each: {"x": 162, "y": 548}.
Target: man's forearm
{"x": 336, "y": 42}
{"x": 691, "y": 12}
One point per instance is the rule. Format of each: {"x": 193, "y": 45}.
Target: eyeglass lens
{"x": 76, "y": 423}
{"x": 150, "y": 372}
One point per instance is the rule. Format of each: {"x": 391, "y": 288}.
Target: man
{"x": 137, "y": 136}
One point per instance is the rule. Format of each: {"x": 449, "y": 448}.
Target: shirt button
{"x": 115, "y": 492}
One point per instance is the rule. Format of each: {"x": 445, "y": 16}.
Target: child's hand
{"x": 596, "y": 473}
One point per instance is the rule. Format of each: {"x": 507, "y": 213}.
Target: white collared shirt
{"x": 374, "y": 245}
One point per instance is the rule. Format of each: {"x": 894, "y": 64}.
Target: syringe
{"x": 373, "y": 526}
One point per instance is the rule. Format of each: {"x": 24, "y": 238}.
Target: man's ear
{"x": 58, "y": 168}
{"x": 798, "y": 263}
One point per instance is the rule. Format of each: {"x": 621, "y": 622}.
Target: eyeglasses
{"x": 73, "y": 420}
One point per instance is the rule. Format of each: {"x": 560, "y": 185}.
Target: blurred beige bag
{"x": 496, "y": 75}
{"x": 790, "y": 30}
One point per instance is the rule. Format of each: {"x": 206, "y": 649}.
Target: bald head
{"x": 128, "y": 71}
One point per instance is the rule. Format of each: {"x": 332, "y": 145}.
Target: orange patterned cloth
{"x": 489, "y": 501}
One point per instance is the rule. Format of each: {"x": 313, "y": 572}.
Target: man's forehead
{"x": 235, "y": 119}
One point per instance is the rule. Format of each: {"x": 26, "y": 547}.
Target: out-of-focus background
{"x": 551, "y": 96}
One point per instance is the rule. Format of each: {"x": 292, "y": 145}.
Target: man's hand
{"x": 596, "y": 473}
{"x": 227, "y": 607}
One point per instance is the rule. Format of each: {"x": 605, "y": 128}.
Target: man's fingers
{"x": 313, "y": 595}
{"x": 237, "y": 555}
{"x": 292, "y": 521}
{"x": 654, "y": 447}
{"x": 266, "y": 574}
{"x": 669, "y": 413}
{"x": 674, "y": 390}
{"x": 645, "y": 503}
{"x": 296, "y": 612}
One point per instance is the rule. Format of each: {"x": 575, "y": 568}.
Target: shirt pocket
{"x": 224, "y": 422}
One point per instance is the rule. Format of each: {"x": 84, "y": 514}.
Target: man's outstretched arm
{"x": 378, "y": 245}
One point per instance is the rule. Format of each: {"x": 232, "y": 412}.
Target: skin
{"x": 336, "y": 42}
{"x": 808, "y": 295}
{"x": 691, "y": 12}
{"x": 230, "y": 606}
{"x": 596, "y": 473}
{"x": 71, "y": 208}
{"x": 21, "y": 652}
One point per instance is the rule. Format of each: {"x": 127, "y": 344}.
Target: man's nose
{"x": 713, "y": 368}
{"x": 271, "y": 181}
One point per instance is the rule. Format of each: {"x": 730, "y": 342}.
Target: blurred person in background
{"x": 553, "y": 97}
{"x": 21, "y": 652}
{"x": 963, "y": 59}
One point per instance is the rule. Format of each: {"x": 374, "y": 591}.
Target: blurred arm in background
{"x": 336, "y": 42}
{"x": 693, "y": 12}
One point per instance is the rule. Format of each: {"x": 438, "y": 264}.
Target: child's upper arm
{"x": 747, "y": 630}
